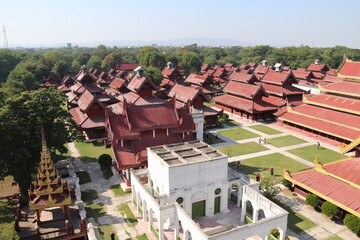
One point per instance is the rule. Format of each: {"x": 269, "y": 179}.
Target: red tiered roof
{"x": 336, "y": 102}
{"x": 184, "y": 93}
{"x": 317, "y": 67}
{"x": 321, "y": 126}
{"x": 301, "y": 74}
{"x": 197, "y": 79}
{"x": 86, "y": 100}
{"x": 336, "y": 189}
{"x": 244, "y": 90}
{"x": 261, "y": 69}
{"x": 329, "y": 78}
{"x": 127, "y": 66}
{"x": 329, "y": 115}
{"x": 350, "y": 69}
{"x": 278, "y": 78}
{"x": 138, "y": 82}
{"x": 117, "y": 83}
{"x": 243, "y": 77}
{"x": 344, "y": 87}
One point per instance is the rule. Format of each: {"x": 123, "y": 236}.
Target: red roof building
{"x": 128, "y": 67}
{"x": 132, "y": 128}
{"x": 66, "y": 83}
{"x": 349, "y": 69}
{"x": 204, "y": 81}
{"x": 279, "y": 85}
{"x": 171, "y": 76}
{"x": 337, "y": 182}
{"x": 195, "y": 98}
{"x": 334, "y": 114}
{"x": 51, "y": 81}
{"x": 246, "y": 100}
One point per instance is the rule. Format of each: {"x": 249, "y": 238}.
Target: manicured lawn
{"x": 285, "y": 141}
{"x": 91, "y": 151}
{"x": 296, "y": 221}
{"x": 232, "y": 123}
{"x": 88, "y": 196}
{"x": 311, "y": 153}
{"x": 118, "y": 191}
{"x": 84, "y": 177}
{"x": 106, "y": 230}
{"x": 263, "y": 164}
{"x": 242, "y": 149}
{"x": 265, "y": 129}
{"x": 211, "y": 139}
{"x": 238, "y": 134}
{"x": 124, "y": 209}
{"x": 95, "y": 210}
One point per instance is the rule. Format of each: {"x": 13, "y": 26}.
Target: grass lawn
{"x": 296, "y": 221}
{"x": 118, "y": 191}
{"x": 142, "y": 237}
{"x": 232, "y": 123}
{"x": 84, "y": 177}
{"x": 265, "y": 129}
{"x": 285, "y": 141}
{"x": 91, "y": 151}
{"x": 335, "y": 237}
{"x": 263, "y": 164}
{"x": 88, "y": 196}
{"x": 238, "y": 134}
{"x": 323, "y": 155}
{"x": 95, "y": 210}
{"x": 106, "y": 230}
{"x": 242, "y": 149}
{"x": 212, "y": 139}
{"x": 124, "y": 209}
{"x": 8, "y": 202}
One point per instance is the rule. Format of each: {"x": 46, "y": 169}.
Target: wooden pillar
{"x": 67, "y": 226}
{"x": 38, "y": 215}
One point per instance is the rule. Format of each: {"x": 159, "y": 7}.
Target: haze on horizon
{"x": 278, "y": 23}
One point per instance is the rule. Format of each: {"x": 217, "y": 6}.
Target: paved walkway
{"x": 325, "y": 228}
{"x": 106, "y": 196}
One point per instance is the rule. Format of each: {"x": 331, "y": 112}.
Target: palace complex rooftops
{"x": 337, "y": 182}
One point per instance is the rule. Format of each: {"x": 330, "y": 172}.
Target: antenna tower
{"x": 5, "y": 38}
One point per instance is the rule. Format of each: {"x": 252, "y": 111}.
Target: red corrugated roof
{"x": 334, "y": 188}
{"x": 350, "y": 69}
{"x": 86, "y": 100}
{"x": 209, "y": 90}
{"x": 301, "y": 74}
{"x": 344, "y": 87}
{"x": 329, "y": 78}
{"x": 321, "y": 126}
{"x": 243, "y": 77}
{"x": 244, "y": 90}
{"x": 341, "y": 102}
{"x": 317, "y": 67}
{"x": 117, "y": 83}
{"x": 184, "y": 93}
{"x": 197, "y": 79}
{"x": 127, "y": 66}
{"x": 94, "y": 122}
{"x": 329, "y": 115}
{"x": 278, "y": 78}
{"x": 261, "y": 69}
{"x": 77, "y": 115}
{"x": 318, "y": 75}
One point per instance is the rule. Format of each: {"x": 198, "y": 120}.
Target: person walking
{"x": 272, "y": 171}
{"x": 260, "y": 140}
{"x": 318, "y": 145}
{"x": 264, "y": 140}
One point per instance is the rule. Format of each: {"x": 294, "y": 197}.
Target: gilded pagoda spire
{"x": 48, "y": 185}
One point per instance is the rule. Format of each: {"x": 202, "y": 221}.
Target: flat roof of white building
{"x": 186, "y": 153}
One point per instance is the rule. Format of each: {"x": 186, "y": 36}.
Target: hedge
{"x": 329, "y": 209}
{"x": 312, "y": 199}
{"x": 352, "y": 222}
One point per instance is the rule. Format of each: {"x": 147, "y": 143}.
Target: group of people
{"x": 262, "y": 140}
{"x": 258, "y": 177}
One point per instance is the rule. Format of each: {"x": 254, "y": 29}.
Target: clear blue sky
{"x": 293, "y": 22}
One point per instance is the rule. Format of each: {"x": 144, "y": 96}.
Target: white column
{"x": 282, "y": 234}
{"x": 255, "y": 214}
{"x": 150, "y": 218}
{"x": 161, "y": 230}
{"x": 186, "y": 234}
{"x": 176, "y": 228}
{"x": 243, "y": 211}
{"x": 137, "y": 202}
{"x": 200, "y": 130}
{"x": 144, "y": 210}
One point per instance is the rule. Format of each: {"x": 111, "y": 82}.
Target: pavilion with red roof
{"x": 337, "y": 182}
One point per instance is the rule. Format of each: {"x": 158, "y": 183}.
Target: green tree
{"x": 101, "y": 51}
{"x": 37, "y": 68}
{"x": 269, "y": 185}
{"x": 21, "y": 118}
{"x": 352, "y": 222}
{"x": 111, "y": 60}
{"x": 60, "y": 69}
{"x": 210, "y": 60}
{"x": 191, "y": 62}
{"x": 94, "y": 62}
{"x": 329, "y": 209}
{"x": 172, "y": 57}
{"x": 8, "y": 61}
{"x": 312, "y": 199}
{"x": 155, "y": 75}
{"x": 19, "y": 80}
{"x": 150, "y": 57}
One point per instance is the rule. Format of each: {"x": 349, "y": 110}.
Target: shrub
{"x": 329, "y": 209}
{"x": 312, "y": 199}
{"x": 286, "y": 183}
{"x": 352, "y": 222}
{"x": 105, "y": 160}
{"x": 275, "y": 232}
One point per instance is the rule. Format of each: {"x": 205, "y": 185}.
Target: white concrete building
{"x": 192, "y": 193}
